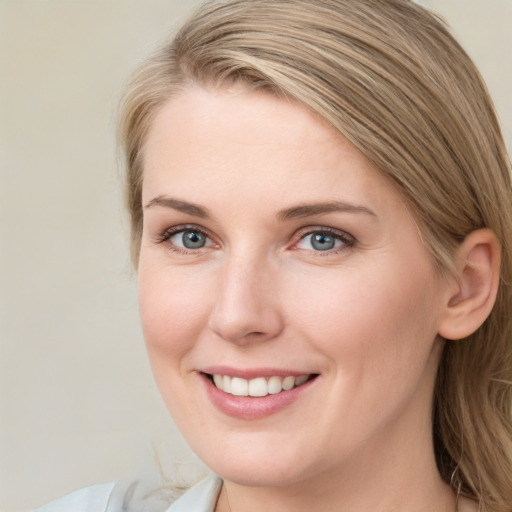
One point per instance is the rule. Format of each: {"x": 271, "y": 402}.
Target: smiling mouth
{"x": 258, "y": 387}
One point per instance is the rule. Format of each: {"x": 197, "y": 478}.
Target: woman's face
{"x": 274, "y": 253}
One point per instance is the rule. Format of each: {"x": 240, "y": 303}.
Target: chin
{"x": 269, "y": 473}
{"x": 260, "y": 460}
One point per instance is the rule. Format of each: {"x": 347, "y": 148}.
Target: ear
{"x": 472, "y": 292}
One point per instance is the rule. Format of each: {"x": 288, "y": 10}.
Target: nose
{"x": 246, "y": 308}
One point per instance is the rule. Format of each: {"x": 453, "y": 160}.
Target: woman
{"x": 321, "y": 216}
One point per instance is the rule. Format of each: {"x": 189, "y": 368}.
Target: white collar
{"x": 202, "y": 497}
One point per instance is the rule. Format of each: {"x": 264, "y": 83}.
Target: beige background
{"x": 77, "y": 400}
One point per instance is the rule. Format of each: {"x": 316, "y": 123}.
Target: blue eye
{"x": 189, "y": 239}
{"x": 323, "y": 241}
{"x": 193, "y": 240}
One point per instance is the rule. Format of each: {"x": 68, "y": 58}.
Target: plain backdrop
{"x": 77, "y": 400}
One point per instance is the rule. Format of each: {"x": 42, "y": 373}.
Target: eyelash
{"x": 346, "y": 239}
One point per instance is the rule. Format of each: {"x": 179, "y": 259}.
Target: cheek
{"x": 379, "y": 318}
{"x": 174, "y": 313}
{"x": 378, "y": 335}
{"x": 173, "y": 309}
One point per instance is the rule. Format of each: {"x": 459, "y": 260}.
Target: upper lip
{"x": 252, "y": 373}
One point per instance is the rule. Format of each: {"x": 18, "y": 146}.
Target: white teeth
{"x": 259, "y": 386}
{"x": 300, "y": 380}
{"x": 288, "y": 383}
{"x": 239, "y": 387}
{"x": 274, "y": 385}
{"x": 219, "y": 380}
{"x": 226, "y": 384}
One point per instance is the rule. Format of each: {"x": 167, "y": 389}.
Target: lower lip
{"x": 251, "y": 408}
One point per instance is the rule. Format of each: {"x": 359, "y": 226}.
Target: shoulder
{"x": 90, "y": 499}
{"x": 126, "y": 496}
{"x": 122, "y": 496}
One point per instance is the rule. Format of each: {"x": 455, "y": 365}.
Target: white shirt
{"x": 202, "y": 497}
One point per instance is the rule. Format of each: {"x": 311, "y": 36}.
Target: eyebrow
{"x": 311, "y": 209}
{"x": 295, "y": 212}
{"x": 181, "y": 206}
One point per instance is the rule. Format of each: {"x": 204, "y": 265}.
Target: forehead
{"x": 200, "y": 115}
{"x": 254, "y": 151}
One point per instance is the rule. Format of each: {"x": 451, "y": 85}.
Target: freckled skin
{"x": 363, "y": 315}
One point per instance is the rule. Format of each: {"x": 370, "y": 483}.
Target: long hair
{"x": 390, "y": 78}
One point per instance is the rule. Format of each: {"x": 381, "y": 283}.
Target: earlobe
{"x": 472, "y": 296}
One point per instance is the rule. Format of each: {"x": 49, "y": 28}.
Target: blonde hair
{"x": 389, "y": 77}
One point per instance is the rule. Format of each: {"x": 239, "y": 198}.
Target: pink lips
{"x": 247, "y": 407}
